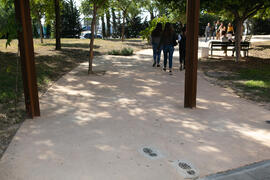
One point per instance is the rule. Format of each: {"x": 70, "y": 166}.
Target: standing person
{"x": 155, "y": 38}
{"x": 221, "y": 29}
{"x": 230, "y": 31}
{"x": 216, "y": 31}
{"x": 207, "y": 32}
{"x": 224, "y": 39}
{"x": 168, "y": 40}
{"x": 182, "y": 49}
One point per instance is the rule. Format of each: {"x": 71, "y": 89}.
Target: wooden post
{"x": 27, "y": 57}
{"x": 193, "y": 10}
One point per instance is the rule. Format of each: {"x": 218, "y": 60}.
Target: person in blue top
{"x": 168, "y": 41}
{"x": 155, "y": 38}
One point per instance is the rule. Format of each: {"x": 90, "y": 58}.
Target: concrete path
{"x": 105, "y": 126}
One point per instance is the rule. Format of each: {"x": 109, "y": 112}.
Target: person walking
{"x": 155, "y": 38}
{"x": 182, "y": 49}
{"x": 168, "y": 41}
{"x": 207, "y": 32}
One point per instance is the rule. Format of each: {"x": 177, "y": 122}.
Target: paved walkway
{"x": 105, "y": 126}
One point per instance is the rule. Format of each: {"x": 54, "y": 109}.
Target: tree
{"x": 108, "y": 22}
{"x": 239, "y": 10}
{"x": 70, "y": 18}
{"x": 175, "y": 9}
{"x": 38, "y": 8}
{"x": 114, "y": 22}
{"x": 123, "y": 6}
{"x": 8, "y": 25}
{"x": 103, "y": 26}
{"x": 57, "y": 25}
{"x": 91, "y": 7}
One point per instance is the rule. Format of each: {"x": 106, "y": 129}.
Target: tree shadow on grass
{"x": 73, "y": 45}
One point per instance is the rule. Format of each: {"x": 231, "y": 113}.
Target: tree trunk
{"x": 238, "y": 38}
{"x": 152, "y": 16}
{"x": 103, "y": 25}
{"x": 41, "y": 29}
{"x": 57, "y": 25}
{"x": 119, "y": 24}
{"x": 114, "y": 22}
{"x": 90, "y": 68}
{"x": 108, "y": 19}
{"x": 123, "y": 26}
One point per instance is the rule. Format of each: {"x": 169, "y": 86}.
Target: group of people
{"x": 166, "y": 40}
{"x": 219, "y": 31}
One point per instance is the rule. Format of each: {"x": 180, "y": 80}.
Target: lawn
{"x": 50, "y": 66}
{"x": 249, "y": 78}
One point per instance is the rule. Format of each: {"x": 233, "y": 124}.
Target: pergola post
{"x": 193, "y": 10}
{"x": 27, "y": 57}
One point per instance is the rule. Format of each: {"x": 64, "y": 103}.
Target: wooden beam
{"x": 193, "y": 10}
{"x": 27, "y": 57}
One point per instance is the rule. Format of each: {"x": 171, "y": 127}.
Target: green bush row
{"x": 123, "y": 52}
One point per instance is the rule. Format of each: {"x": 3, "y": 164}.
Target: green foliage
{"x": 260, "y": 26}
{"x": 8, "y": 73}
{"x": 70, "y": 19}
{"x": 206, "y": 18}
{"x": 152, "y": 25}
{"x": 134, "y": 26}
{"x": 123, "y": 52}
{"x": 8, "y": 24}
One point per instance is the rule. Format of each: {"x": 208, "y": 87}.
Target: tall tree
{"x": 70, "y": 20}
{"x": 57, "y": 25}
{"x": 123, "y": 6}
{"x": 108, "y": 22}
{"x": 114, "y": 22}
{"x": 38, "y": 8}
{"x": 103, "y": 26}
{"x": 91, "y": 7}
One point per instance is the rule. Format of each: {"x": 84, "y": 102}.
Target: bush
{"x": 123, "y": 52}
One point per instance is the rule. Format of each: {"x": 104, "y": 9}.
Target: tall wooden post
{"x": 193, "y": 10}
{"x": 27, "y": 57}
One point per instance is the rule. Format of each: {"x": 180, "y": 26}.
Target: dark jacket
{"x": 182, "y": 43}
{"x": 168, "y": 40}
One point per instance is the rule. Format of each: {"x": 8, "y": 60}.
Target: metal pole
{"x": 27, "y": 57}
{"x": 193, "y": 10}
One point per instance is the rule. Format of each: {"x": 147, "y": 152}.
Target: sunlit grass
{"x": 255, "y": 84}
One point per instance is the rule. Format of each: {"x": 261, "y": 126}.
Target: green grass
{"x": 254, "y": 83}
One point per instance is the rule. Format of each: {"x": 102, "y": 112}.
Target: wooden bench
{"x": 229, "y": 46}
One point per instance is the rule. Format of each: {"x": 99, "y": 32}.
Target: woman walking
{"x": 168, "y": 41}
{"x": 156, "y": 36}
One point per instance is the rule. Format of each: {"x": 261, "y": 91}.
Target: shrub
{"x": 114, "y": 52}
{"x": 123, "y": 52}
{"x": 127, "y": 52}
